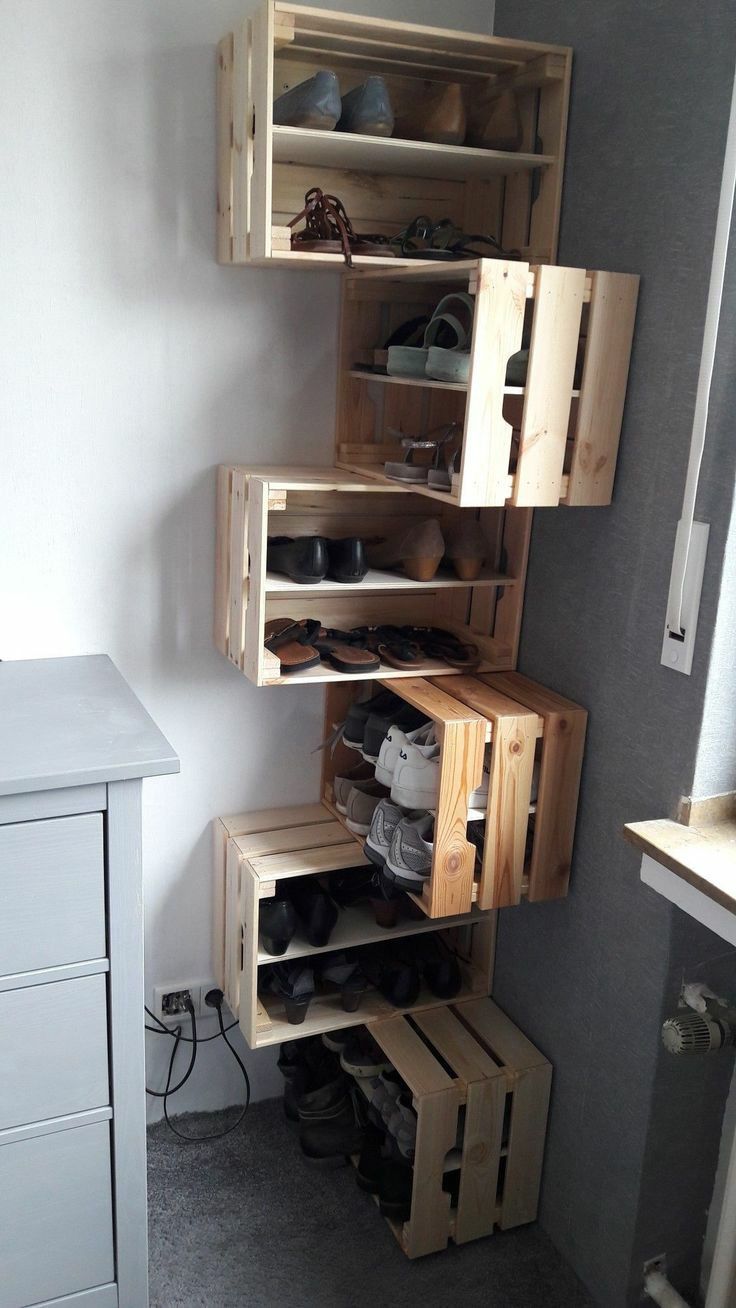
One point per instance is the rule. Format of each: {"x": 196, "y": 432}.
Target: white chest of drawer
{"x": 74, "y": 745}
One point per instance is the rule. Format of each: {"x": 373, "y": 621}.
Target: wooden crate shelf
{"x": 549, "y": 442}
{"x": 254, "y": 503}
{"x": 264, "y": 169}
{"x": 253, "y": 852}
{"x": 519, "y": 721}
{"x": 471, "y": 1073}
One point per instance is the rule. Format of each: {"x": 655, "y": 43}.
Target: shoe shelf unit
{"x": 253, "y": 503}
{"x": 514, "y": 722}
{"x": 548, "y": 442}
{"x": 264, "y": 169}
{"x": 253, "y": 853}
{"x": 480, "y": 1090}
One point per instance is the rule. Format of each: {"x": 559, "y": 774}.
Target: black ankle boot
{"x": 317, "y": 911}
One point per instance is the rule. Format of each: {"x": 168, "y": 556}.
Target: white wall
{"x": 130, "y": 365}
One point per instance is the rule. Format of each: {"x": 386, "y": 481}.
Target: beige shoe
{"x": 341, "y": 786}
{"x": 438, "y": 116}
{"x": 466, "y": 547}
{"x": 418, "y": 548}
{"x": 363, "y": 801}
{"x": 497, "y": 126}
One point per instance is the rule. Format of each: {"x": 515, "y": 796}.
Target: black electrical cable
{"x": 194, "y": 1041}
{"x": 162, "y": 1029}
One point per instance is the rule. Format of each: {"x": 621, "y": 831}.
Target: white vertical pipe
{"x": 722, "y": 1282}
{"x": 659, "y": 1289}
{"x": 705, "y": 376}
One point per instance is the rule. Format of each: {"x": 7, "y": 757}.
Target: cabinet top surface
{"x": 73, "y": 722}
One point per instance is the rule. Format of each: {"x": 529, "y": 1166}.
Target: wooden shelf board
{"x": 384, "y": 581}
{"x": 374, "y": 471}
{"x": 327, "y": 1014}
{"x": 392, "y": 155}
{"x": 429, "y": 383}
{"x": 316, "y": 676}
{"x": 317, "y": 259}
{"x": 357, "y": 926}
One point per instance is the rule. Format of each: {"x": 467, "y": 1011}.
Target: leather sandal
{"x": 438, "y": 644}
{"x": 328, "y": 230}
{"x": 290, "y": 639}
{"x": 346, "y": 651}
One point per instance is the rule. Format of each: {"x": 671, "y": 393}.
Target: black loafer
{"x": 303, "y": 559}
{"x": 346, "y": 560}
{"x": 407, "y": 718}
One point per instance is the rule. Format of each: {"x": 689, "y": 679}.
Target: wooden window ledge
{"x": 700, "y": 848}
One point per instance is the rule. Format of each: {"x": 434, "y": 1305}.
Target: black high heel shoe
{"x": 342, "y": 969}
{"x": 315, "y": 908}
{"x": 277, "y": 924}
{"x": 294, "y": 983}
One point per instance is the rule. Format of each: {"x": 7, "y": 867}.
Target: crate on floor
{"x": 480, "y": 1090}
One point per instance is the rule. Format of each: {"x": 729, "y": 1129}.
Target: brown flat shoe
{"x": 438, "y": 116}
{"x": 466, "y": 548}
{"x": 289, "y": 639}
{"x": 345, "y": 651}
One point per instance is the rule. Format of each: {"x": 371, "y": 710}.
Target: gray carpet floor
{"x": 247, "y": 1221}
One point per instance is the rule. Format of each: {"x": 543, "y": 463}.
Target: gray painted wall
{"x": 590, "y": 978}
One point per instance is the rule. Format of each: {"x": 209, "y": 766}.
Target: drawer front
{"x": 52, "y": 891}
{"x": 55, "y": 1215}
{"x": 54, "y": 1043}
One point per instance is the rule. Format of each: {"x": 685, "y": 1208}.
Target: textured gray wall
{"x": 633, "y": 1138}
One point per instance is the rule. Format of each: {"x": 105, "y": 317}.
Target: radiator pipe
{"x": 659, "y": 1289}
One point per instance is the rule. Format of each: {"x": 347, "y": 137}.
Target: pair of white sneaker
{"x": 409, "y": 763}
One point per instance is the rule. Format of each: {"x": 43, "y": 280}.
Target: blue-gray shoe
{"x": 315, "y": 103}
{"x": 367, "y": 109}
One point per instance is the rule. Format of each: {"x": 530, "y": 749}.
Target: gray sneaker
{"x": 315, "y": 103}
{"x": 367, "y": 109}
{"x": 362, "y": 802}
{"x": 341, "y": 786}
{"x": 409, "y": 860}
{"x": 386, "y": 818}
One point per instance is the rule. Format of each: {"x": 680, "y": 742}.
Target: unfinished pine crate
{"x": 253, "y": 503}
{"x": 264, "y": 170}
{"x": 527, "y": 850}
{"x": 253, "y": 853}
{"x": 549, "y": 442}
{"x": 480, "y": 1090}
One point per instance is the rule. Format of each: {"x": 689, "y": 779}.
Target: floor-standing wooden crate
{"x": 480, "y": 1090}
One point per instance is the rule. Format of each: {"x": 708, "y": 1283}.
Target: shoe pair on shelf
{"x": 444, "y": 351}
{"x": 318, "y": 104}
{"x": 303, "y": 643}
{"x": 421, "y": 546}
{"x": 307, "y": 560}
{"x": 295, "y": 983}
{"x": 447, "y": 115}
{"x": 298, "y": 902}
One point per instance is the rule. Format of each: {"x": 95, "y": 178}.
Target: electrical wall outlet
{"x": 169, "y": 1000}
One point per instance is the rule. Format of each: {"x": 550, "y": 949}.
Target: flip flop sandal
{"x": 345, "y": 652}
{"x": 441, "y": 241}
{"x": 438, "y": 644}
{"x": 407, "y": 334}
{"x": 290, "y": 640}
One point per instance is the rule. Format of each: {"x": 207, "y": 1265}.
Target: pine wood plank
{"x": 262, "y": 30}
{"x": 558, "y": 306}
{"x": 224, "y": 149}
{"x": 527, "y": 1137}
{"x": 603, "y": 388}
{"x": 499, "y": 317}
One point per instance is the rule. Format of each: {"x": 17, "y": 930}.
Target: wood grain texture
{"x": 428, "y": 1228}
{"x": 527, "y": 1136}
{"x": 558, "y": 305}
{"x": 238, "y": 569}
{"x": 221, "y": 614}
{"x": 499, "y": 317}
{"x": 563, "y": 746}
{"x": 703, "y": 855}
{"x": 603, "y": 388}
{"x": 242, "y": 151}
{"x": 225, "y": 167}
{"x": 127, "y": 1052}
{"x": 261, "y": 182}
